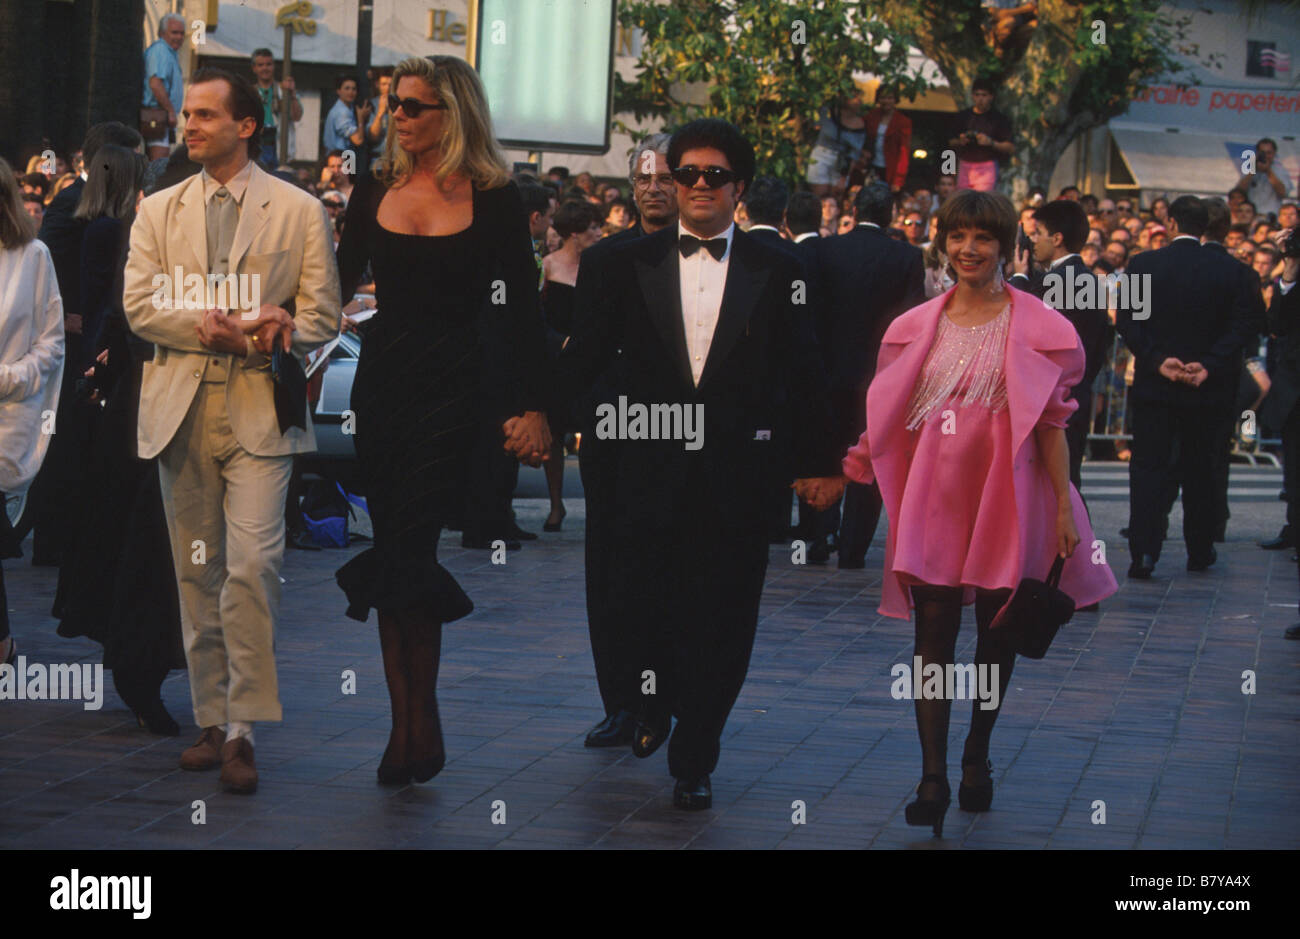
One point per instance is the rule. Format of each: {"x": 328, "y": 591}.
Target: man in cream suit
{"x": 206, "y": 404}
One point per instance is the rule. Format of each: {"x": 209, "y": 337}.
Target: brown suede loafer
{"x": 206, "y": 752}
{"x": 238, "y": 774}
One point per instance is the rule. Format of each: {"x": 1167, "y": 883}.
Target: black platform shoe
{"x": 930, "y": 811}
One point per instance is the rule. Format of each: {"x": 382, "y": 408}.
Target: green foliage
{"x": 744, "y": 61}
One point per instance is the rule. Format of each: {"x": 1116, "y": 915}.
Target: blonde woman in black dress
{"x": 459, "y": 339}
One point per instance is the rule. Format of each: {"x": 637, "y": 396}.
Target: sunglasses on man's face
{"x": 715, "y": 177}
{"x": 411, "y": 106}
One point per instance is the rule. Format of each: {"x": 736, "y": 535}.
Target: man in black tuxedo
{"x": 696, "y": 324}
{"x": 1058, "y": 232}
{"x": 1197, "y": 321}
{"x": 1216, "y": 229}
{"x": 1284, "y": 323}
{"x": 612, "y": 650}
{"x": 52, "y": 498}
{"x": 865, "y": 280}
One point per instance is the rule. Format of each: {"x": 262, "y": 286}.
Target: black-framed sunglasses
{"x": 411, "y": 106}
{"x": 715, "y": 177}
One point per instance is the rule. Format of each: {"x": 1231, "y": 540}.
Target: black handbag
{"x": 289, "y": 389}
{"x": 1035, "y": 612}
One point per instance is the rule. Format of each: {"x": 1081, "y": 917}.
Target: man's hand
{"x": 528, "y": 438}
{"x": 820, "y": 492}
{"x": 1173, "y": 369}
{"x": 218, "y": 331}
{"x": 271, "y": 324}
{"x": 1020, "y": 260}
{"x": 984, "y": 140}
{"x": 363, "y": 112}
{"x": 1194, "y": 373}
{"x": 288, "y": 84}
{"x": 72, "y": 324}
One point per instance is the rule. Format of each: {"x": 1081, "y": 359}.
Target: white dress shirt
{"x": 702, "y": 281}
{"x": 798, "y": 239}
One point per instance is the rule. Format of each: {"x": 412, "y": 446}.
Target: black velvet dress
{"x": 458, "y": 340}
{"x": 557, "y": 306}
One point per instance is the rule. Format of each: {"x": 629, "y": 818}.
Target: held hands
{"x": 819, "y": 492}
{"x": 273, "y": 324}
{"x": 1067, "y": 534}
{"x": 1190, "y": 373}
{"x": 528, "y": 438}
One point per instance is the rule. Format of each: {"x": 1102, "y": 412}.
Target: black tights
{"x": 412, "y": 645}
{"x": 938, "y": 617}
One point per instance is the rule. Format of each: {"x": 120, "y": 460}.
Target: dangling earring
{"x": 946, "y": 266}
{"x": 998, "y": 279}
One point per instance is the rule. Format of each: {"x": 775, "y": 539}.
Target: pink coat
{"x": 1044, "y": 360}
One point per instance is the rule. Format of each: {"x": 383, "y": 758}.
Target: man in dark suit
{"x": 1284, "y": 323}
{"x": 765, "y": 201}
{"x": 1219, "y": 221}
{"x": 695, "y": 327}
{"x": 1184, "y": 340}
{"x": 865, "y": 280}
{"x": 655, "y": 196}
{"x": 50, "y": 499}
{"x": 1058, "y": 232}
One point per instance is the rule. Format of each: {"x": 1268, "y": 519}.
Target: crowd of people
{"x": 882, "y": 348}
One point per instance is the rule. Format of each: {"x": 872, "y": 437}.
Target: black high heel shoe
{"x": 979, "y": 797}
{"x": 155, "y": 719}
{"x": 554, "y": 526}
{"x": 930, "y": 811}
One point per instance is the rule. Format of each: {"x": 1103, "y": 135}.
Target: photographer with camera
{"x": 981, "y": 137}
{"x": 838, "y": 152}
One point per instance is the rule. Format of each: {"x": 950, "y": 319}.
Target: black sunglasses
{"x": 411, "y": 106}
{"x": 715, "y": 177}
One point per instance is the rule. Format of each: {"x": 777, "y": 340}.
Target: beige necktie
{"x": 222, "y": 220}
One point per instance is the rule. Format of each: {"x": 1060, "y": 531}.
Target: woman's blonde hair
{"x": 16, "y": 227}
{"x": 468, "y": 146}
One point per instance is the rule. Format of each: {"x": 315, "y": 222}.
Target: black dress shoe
{"x": 153, "y": 717}
{"x": 819, "y": 552}
{"x": 1283, "y": 540}
{"x": 1293, "y": 632}
{"x": 693, "y": 794}
{"x": 1123, "y": 532}
{"x": 614, "y": 731}
{"x": 515, "y": 533}
{"x": 1203, "y": 563}
{"x": 1142, "y": 568}
{"x": 1220, "y": 536}
{"x": 302, "y": 541}
{"x": 486, "y": 543}
{"x": 649, "y": 736}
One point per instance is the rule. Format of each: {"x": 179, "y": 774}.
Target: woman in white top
{"x": 31, "y": 362}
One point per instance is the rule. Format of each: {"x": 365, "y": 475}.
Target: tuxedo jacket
{"x": 1284, "y": 323}
{"x": 1199, "y": 312}
{"x": 284, "y": 237}
{"x": 865, "y": 280}
{"x": 1093, "y": 327}
{"x": 762, "y": 389}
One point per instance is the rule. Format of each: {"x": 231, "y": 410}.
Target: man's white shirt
{"x": 702, "y": 280}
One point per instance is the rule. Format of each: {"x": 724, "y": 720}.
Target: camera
{"x": 1291, "y": 247}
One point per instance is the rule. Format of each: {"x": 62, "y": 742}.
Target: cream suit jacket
{"x": 284, "y": 238}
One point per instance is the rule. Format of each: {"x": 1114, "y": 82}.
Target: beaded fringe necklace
{"x": 958, "y": 353}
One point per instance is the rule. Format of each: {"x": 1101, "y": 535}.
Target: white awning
{"x": 1160, "y": 160}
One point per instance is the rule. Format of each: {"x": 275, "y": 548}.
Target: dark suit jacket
{"x": 1198, "y": 313}
{"x": 864, "y": 281}
{"x": 1284, "y": 323}
{"x": 1093, "y": 327}
{"x": 62, "y": 234}
{"x": 763, "y": 373}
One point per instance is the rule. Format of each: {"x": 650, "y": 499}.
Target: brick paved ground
{"x": 1139, "y": 706}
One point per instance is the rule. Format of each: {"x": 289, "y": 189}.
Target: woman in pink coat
{"x": 965, "y": 438}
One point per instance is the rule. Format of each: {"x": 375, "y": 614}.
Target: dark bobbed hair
{"x": 1067, "y": 219}
{"x": 1190, "y": 214}
{"x": 983, "y": 211}
{"x": 719, "y": 135}
{"x": 874, "y": 203}
{"x": 36, "y": 181}
{"x": 17, "y": 228}
{"x": 1218, "y": 219}
{"x": 342, "y": 77}
{"x": 803, "y": 213}
{"x": 241, "y": 101}
{"x": 765, "y": 201}
{"x": 114, "y": 179}
{"x": 573, "y": 217}
{"x": 983, "y": 84}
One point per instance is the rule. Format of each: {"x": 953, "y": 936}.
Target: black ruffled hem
{"x": 371, "y": 580}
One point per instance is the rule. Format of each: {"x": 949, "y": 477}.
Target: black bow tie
{"x": 689, "y": 244}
